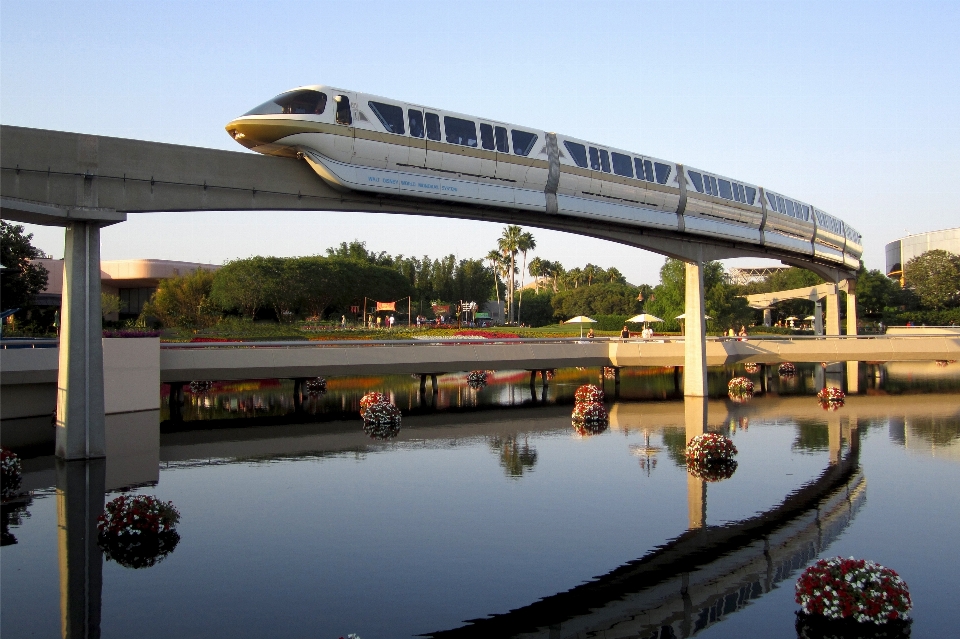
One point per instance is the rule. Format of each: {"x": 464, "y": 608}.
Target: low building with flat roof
{"x": 134, "y": 281}
{"x": 901, "y": 251}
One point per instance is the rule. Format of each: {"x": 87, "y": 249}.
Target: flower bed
{"x": 739, "y": 386}
{"x": 130, "y": 332}
{"x": 369, "y": 400}
{"x": 831, "y": 398}
{"x": 315, "y": 386}
{"x": 787, "y": 370}
{"x": 11, "y": 472}
{"x": 477, "y": 379}
{"x": 854, "y": 589}
{"x": 486, "y": 334}
{"x": 750, "y": 367}
{"x": 588, "y": 394}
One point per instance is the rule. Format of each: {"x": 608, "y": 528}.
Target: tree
{"x": 573, "y": 276}
{"x": 526, "y": 243}
{"x": 601, "y": 299}
{"x": 614, "y": 276}
{"x": 357, "y": 250}
{"x": 242, "y": 285}
{"x": 21, "y": 279}
{"x": 668, "y": 298}
{"x": 110, "y": 303}
{"x": 495, "y": 258}
{"x": 184, "y": 301}
{"x": 591, "y": 271}
{"x": 935, "y": 278}
{"x": 557, "y": 274}
{"x": 537, "y": 267}
{"x": 509, "y": 245}
{"x": 877, "y": 294}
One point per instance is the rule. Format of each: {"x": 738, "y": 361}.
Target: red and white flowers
{"x": 588, "y": 394}
{"x": 200, "y": 387}
{"x": 787, "y": 370}
{"x": 11, "y": 472}
{"x": 831, "y": 398}
{"x": 710, "y": 457}
{"x": 370, "y": 399}
{"x": 477, "y": 379}
{"x": 855, "y": 589}
{"x": 740, "y": 389}
{"x": 137, "y": 515}
{"x": 751, "y": 367}
{"x": 315, "y": 386}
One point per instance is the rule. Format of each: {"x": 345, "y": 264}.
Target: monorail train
{"x": 369, "y": 143}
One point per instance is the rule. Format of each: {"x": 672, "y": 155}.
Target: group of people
{"x": 741, "y": 334}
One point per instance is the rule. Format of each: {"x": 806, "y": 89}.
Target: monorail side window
{"x": 697, "y": 180}
{"x": 486, "y": 136}
{"x": 594, "y": 159}
{"x": 736, "y": 192}
{"x": 578, "y": 152}
{"x": 648, "y": 172}
{"x": 781, "y": 206}
{"x": 304, "y": 102}
{"x": 711, "y": 184}
{"x": 462, "y": 132}
{"x": 343, "y": 110}
{"x": 433, "y": 126}
{"x": 742, "y": 197}
{"x": 622, "y": 165}
{"x": 523, "y": 141}
{"x": 663, "y": 172}
{"x": 726, "y": 192}
{"x": 751, "y": 195}
{"x": 391, "y": 117}
{"x": 772, "y": 199}
{"x": 415, "y": 120}
{"x": 604, "y": 161}
{"x": 500, "y": 136}
{"x": 806, "y": 212}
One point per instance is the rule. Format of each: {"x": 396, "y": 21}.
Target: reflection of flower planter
{"x": 751, "y": 367}
{"x": 381, "y": 420}
{"x": 477, "y": 379}
{"x": 315, "y": 386}
{"x": 137, "y": 531}
{"x": 861, "y": 594}
{"x": 740, "y": 389}
{"x": 588, "y": 394}
{"x": 590, "y": 418}
{"x": 819, "y": 627}
{"x": 942, "y": 363}
{"x": 138, "y": 551}
{"x": 712, "y": 471}
{"x": 831, "y": 398}
{"x": 201, "y": 387}
{"x": 11, "y": 473}
{"x": 369, "y": 400}
{"x": 787, "y": 370}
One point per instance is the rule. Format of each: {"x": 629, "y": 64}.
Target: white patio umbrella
{"x": 809, "y": 318}
{"x": 644, "y": 317}
{"x": 581, "y": 320}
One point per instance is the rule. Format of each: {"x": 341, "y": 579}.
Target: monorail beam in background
{"x": 80, "y": 407}
{"x": 694, "y": 341}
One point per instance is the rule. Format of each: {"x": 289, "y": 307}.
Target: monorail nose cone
{"x": 243, "y": 132}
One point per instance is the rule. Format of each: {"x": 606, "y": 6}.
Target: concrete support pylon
{"x": 768, "y": 316}
{"x": 80, "y": 411}
{"x": 851, "y": 288}
{"x": 81, "y": 486}
{"x": 695, "y": 422}
{"x": 694, "y": 341}
{"x": 818, "y": 317}
{"x": 833, "y": 314}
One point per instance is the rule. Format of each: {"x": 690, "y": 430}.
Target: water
{"x": 296, "y": 524}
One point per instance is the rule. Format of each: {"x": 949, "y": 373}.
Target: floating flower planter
{"x": 201, "y": 387}
{"x": 711, "y": 457}
{"x": 381, "y": 420}
{"x": 942, "y": 363}
{"x": 138, "y": 531}
{"x": 588, "y": 394}
{"x": 590, "y": 418}
{"x": 831, "y": 398}
{"x": 740, "y": 389}
{"x": 751, "y": 367}
{"x": 477, "y": 379}
{"x": 369, "y": 400}
{"x": 787, "y": 370}
{"x": 315, "y": 386}
{"x": 853, "y": 594}
{"x": 11, "y": 473}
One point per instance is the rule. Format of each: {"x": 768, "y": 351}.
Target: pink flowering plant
{"x": 751, "y": 367}
{"x": 588, "y": 394}
{"x": 740, "y": 388}
{"x": 831, "y": 398}
{"x": 710, "y": 447}
{"x": 370, "y": 399}
{"x": 11, "y": 472}
{"x": 855, "y": 589}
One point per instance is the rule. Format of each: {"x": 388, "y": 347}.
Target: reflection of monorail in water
{"x": 696, "y": 579}
{"x": 368, "y": 143}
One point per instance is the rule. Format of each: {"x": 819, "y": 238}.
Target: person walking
{"x": 343, "y": 321}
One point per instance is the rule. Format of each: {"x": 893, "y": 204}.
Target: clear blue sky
{"x": 852, "y": 106}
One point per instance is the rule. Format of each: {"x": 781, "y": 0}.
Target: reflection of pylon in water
{"x": 646, "y": 453}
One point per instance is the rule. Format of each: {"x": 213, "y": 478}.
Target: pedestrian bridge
{"x": 84, "y": 182}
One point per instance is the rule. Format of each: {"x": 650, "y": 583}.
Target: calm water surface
{"x": 489, "y": 507}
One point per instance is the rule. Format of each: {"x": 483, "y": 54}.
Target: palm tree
{"x": 556, "y": 271}
{"x": 614, "y": 276}
{"x": 509, "y": 245}
{"x": 591, "y": 271}
{"x": 574, "y": 275}
{"x": 526, "y": 243}
{"x": 537, "y": 267}
{"x": 496, "y": 263}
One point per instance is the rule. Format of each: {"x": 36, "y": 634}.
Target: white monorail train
{"x": 369, "y": 143}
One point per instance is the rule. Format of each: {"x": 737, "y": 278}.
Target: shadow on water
{"x": 699, "y": 577}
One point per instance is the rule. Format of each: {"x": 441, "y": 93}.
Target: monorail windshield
{"x": 304, "y": 102}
